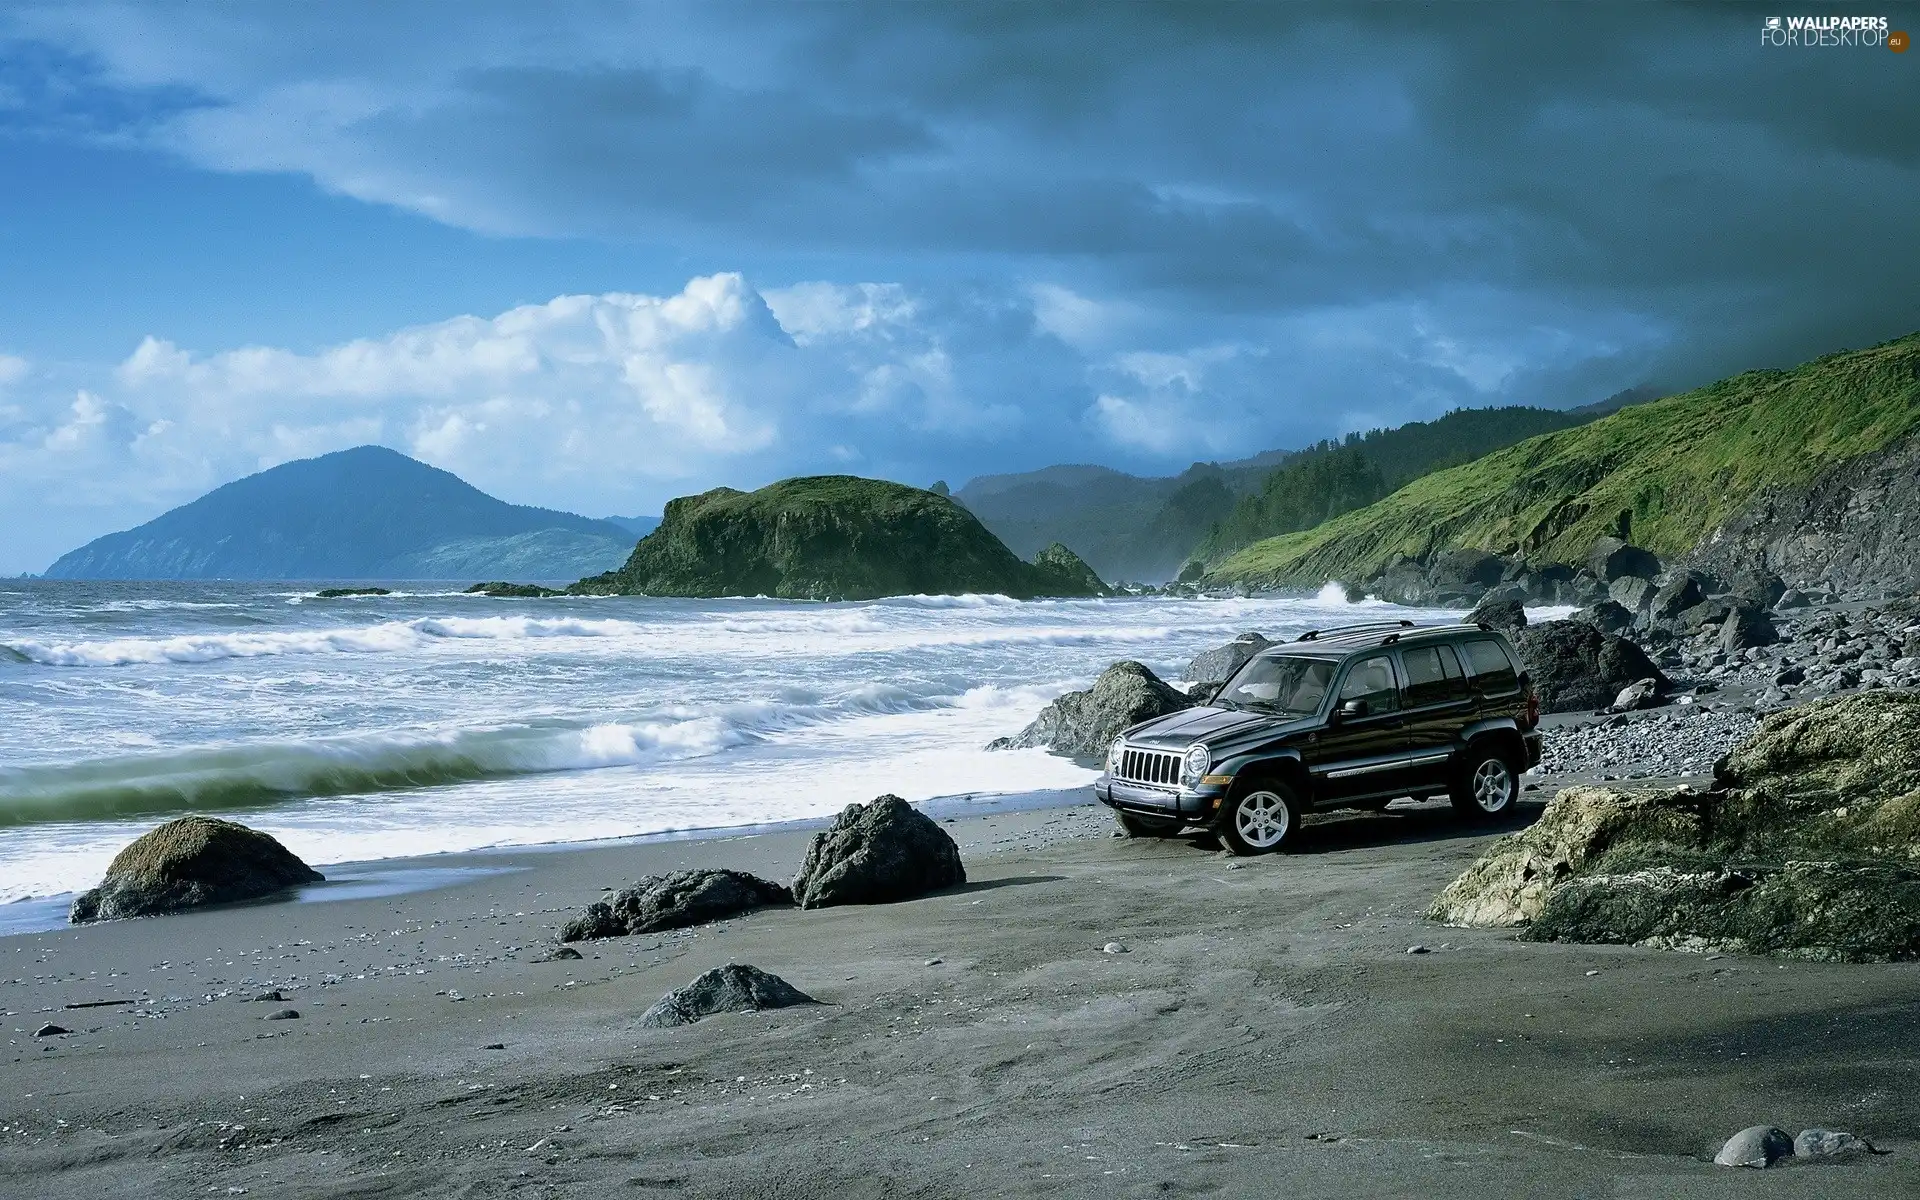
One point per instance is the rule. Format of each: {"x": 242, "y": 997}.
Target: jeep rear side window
{"x": 1371, "y": 679}
{"x": 1491, "y": 668}
{"x": 1433, "y": 675}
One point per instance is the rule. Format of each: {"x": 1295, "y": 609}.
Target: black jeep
{"x": 1342, "y": 718}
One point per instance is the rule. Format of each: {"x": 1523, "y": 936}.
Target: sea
{"x": 429, "y": 721}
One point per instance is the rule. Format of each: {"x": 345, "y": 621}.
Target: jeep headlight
{"x": 1199, "y": 758}
{"x": 1113, "y": 754}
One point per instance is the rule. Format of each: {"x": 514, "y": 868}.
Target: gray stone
{"x": 1612, "y": 559}
{"x": 1792, "y": 598}
{"x": 733, "y": 988}
{"x": 1219, "y": 664}
{"x": 189, "y": 862}
{"x": 1674, "y": 598}
{"x": 1746, "y": 628}
{"x": 1643, "y": 693}
{"x": 1755, "y": 1146}
{"x": 557, "y": 954}
{"x": 877, "y": 853}
{"x": 675, "y": 901}
{"x": 1608, "y": 616}
{"x": 1632, "y": 593}
{"x": 283, "y": 1014}
{"x": 1575, "y": 666}
{"x": 1085, "y": 723}
{"x": 1826, "y": 1143}
{"x": 1499, "y": 612}
{"x": 1790, "y": 676}
{"x": 51, "y": 1031}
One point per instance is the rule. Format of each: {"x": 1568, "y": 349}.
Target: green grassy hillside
{"x": 1666, "y": 473}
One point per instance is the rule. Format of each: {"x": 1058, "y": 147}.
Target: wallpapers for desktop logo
{"x": 1868, "y": 32}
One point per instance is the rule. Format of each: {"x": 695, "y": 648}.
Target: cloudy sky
{"x": 593, "y": 256}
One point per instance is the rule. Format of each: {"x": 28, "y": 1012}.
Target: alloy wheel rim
{"x": 1262, "y": 820}
{"x": 1492, "y": 785}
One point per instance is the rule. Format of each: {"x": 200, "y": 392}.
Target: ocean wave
{"x": 259, "y": 774}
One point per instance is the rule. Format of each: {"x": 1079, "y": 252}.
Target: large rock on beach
{"x": 735, "y": 987}
{"x": 1576, "y": 666}
{"x": 877, "y": 853}
{"x": 1218, "y": 665}
{"x": 189, "y": 862}
{"x": 1085, "y": 723}
{"x": 675, "y": 901}
{"x": 1499, "y": 611}
{"x": 1807, "y": 847}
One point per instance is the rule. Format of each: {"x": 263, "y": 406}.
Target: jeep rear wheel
{"x": 1136, "y": 825}
{"x": 1260, "y": 819}
{"x": 1487, "y": 785}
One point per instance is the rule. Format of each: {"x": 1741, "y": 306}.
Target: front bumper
{"x": 1185, "y": 803}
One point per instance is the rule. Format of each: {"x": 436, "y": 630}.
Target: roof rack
{"x": 1316, "y": 634}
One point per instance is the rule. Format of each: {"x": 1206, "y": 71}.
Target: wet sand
{"x": 1266, "y": 1032}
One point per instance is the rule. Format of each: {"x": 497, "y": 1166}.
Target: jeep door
{"x": 1439, "y": 704}
{"x": 1363, "y": 755}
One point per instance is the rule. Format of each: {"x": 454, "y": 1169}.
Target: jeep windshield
{"x": 1282, "y": 683}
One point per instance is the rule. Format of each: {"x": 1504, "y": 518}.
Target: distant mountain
{"x": 365, "y": 513}
{"x": 832, "y": 537}
{"x": 638, "y": 526}
{"x": 1145, "y": 528}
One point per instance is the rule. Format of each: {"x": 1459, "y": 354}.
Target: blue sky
{"x": 593, "y": 256}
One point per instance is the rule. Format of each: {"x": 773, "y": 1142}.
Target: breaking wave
{"x": 258, "y": 774}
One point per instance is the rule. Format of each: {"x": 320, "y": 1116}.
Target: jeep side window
{"x": 1433, "y": 675}
{"x": 1492, "y": 670}
{"x": 1371, "y": 679}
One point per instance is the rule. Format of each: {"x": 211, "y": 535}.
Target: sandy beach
{"x": 1268, "y": 1030}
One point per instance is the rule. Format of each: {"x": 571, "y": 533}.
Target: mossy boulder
{"x": 832, "y": 537}
{"x": 1807, "y": 847}
{"x": 189, "y": 862}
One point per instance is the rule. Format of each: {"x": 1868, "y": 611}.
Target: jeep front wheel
{"x": 1134, "y": 825}
{"x": 1260, "y": 819}
{"x": 1487, "y": 785}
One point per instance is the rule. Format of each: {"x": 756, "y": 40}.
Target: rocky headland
{"x": 833, "y": 537}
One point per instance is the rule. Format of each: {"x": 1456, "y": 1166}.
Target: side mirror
{"x": 1353, "y": 708}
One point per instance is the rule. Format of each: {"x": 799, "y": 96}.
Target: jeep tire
{"x": 1260, "y": 818}
{"x": 1487, "y": 785}
{"x": 1139, "y": 825}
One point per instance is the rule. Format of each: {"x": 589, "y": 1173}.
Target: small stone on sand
{"x": 1113, "y": 948}
{"x": 283, "y": 1014}
{"x": 51, "y": 1031}
{"x": 1755, "y": 1146}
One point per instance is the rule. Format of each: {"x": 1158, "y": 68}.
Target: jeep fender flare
{"x": 1504, "y": 730}
{"x": 1286, "y": 764}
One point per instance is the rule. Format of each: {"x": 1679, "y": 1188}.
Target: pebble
{"x": 273, "y": 997}
{"x": 283, "y": 1014}
{"x": 51, "y": 1031}
{"x": 1418, "y": 950}
{"x": 1113, "y": 948}
{"x": 934, "y": 962}
{"x": 496, "y": 1046}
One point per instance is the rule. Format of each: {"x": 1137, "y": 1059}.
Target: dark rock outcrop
{"x": 875, "y": 854}
{"x": 1058, "y": 571}
{"x": 1675, "y": 597}
{"x": 1632, "y": 593}
{"x": 1612, "y": 559}
{"x": 189, "y": 862}
{"x": 1576, "y": 666}
{"x": 1499, "y": 612}
{"x": 1746, "y": 628}
{"x": 1218, "y": 665}
{"x": 341, "y": 593}
{"x": 502, "y": 590}
{"x": 1085, "y": 723}
{"x": 1808, "y": 847}
{"x": 733, "y": 988}
{"x": 675, "y": 901}
{"x": 1856, "y": 525}
{"x": 1608, "y": 616}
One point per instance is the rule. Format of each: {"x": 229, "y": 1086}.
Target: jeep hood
{"x": 1218, "y": 727}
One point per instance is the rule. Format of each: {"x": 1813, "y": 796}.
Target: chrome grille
{"x": 1160, "y": 768}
